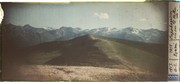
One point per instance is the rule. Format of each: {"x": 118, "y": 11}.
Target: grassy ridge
{"x": 152, "y": 57}
{"x": 91, "y": 50}
{"x": 96, "y": 51}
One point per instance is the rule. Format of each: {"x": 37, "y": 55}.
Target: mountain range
{"x": 28, "y": 35}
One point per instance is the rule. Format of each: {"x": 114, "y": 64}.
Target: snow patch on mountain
{"x": 48, "y": 28}
{"x": 67, "y": 33}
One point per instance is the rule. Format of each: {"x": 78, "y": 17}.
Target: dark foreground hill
{"x": 102, "y": 57}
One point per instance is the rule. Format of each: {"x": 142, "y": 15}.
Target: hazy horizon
{"x": 88, "y": 15}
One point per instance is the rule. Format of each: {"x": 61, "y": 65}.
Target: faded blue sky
{"x": 89, "y": 15}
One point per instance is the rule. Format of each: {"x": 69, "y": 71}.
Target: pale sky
{"x": 89, "y": 15}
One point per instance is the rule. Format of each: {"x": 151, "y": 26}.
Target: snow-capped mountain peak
{"x": 67, "y": 33}
{"x": 48, "y": 28}
{"x": 132, "y": 30}
{"x": 136, "y": 31}
{"x": 110, "y": 29}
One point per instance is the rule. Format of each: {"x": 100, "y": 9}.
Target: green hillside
{"x": 99, "y": 51}
{"x": 148, "y": 56}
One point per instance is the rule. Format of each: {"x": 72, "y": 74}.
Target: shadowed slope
{"x": 91, "y": 50}
{"x": 113, "y": 59}
{"x": 81, "y": 51}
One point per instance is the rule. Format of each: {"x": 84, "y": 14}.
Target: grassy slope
{"x": 99, "y": 52}
{"x": 149, "y": 56}
{"x": 96, "y": 50}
